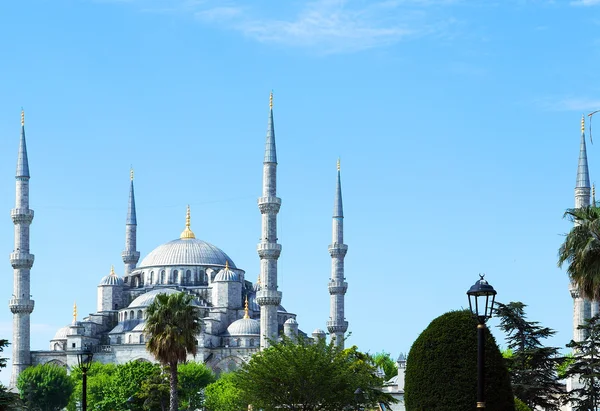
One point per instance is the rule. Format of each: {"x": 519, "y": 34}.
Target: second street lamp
{"x": 481, "y": 302}
{"x": 84, "y": 359}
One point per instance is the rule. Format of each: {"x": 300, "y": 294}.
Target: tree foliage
{"x": 224, "y": 395}
{"x": 581, "y": 250}
{"x": 532, "y": 366}
{"x": 8, "y": 400}
{"x": 306, "y": 375}
{"x": 172, "y": 325}
{"x": 441, "y": 371}
{"x": 585, "y": 367}
{"x": 193, "y": 377}
{"x": 384, "y": 360}
{"x": 45, "y": 387}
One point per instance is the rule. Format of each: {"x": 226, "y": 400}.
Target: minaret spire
{"x": 268, "y": 249}
{"x": 337, "y": 324}
{"x": 130, "y": 255}
{"x": 21, "y": 304}
{"x": 582, "y": 308}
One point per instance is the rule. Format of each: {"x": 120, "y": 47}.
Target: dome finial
{"x": 271, "y": 100}
{"x": 246, "y": 315}
{"x": 187, "y": 233}
{"x": 582, "y": 123}
{"x": 112, "y": 271}
{"x": 74, "y": 312}
{"x": 22, "y": 117}
{"x": 227, "y": 264}
{"x": 338, "y": 164}
{"x": 131, "y": 173}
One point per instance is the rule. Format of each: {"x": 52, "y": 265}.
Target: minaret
{"x": 337, "y": 325}
{"x": 268, "y": 250}
{"x": 130, "y": 255}
{"x": 581, "y": 307}
{"x": 21, "y": 304}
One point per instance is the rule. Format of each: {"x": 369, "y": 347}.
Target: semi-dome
{"x": 226, "y": 274}
{"x": 148, "y": 298}
{"x": 291, "y": 321}
{"x": 62, "y": 333}
{"x": 111, "y": 279}
{"x": 186, "y": 251}
{"x": 245, "y": 326}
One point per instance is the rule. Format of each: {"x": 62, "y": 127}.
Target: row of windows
{"x": 132, "y": 315}
{"x": 131, "y": 340}
{"x": 174, "y": 277}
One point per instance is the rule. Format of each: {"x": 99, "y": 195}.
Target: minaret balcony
{"x": 268, "y": 297}
{"x": 338, "y": 250}
{"x": 334, "y": 326}
{"x": 21, "y": 215}
{"x": 130, "y": 257}
{"x": 21, "y": 305}
{"x": 21, "y": 260}
{"x": 268, "y": 205}
{"x": 268, "y": 250}
{"x": 338, "y": 287}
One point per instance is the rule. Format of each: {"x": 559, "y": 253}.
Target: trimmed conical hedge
{"x": 441, "y": 369}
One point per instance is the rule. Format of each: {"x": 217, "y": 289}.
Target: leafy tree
{"x": 441, "y": 371}
{"x": 585, "y": 367}
{"x": 532, "y": 366}
{"x": 309, "y": 376}
{"x": 155, "y": 392}
{"x": 521, "y": 406}
{"x": 8, "y": 400}
{"x": 172, "y": 324}
{"x": 382, "y": 359}
{"x": 581, "y": 250}
{"x": 193, "y": 377}
{"x": 45, "y": 387}
{"x": 224, "y": 395}
{"x": 99, "y": 383}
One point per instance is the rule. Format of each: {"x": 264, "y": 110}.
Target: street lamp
{"x": 359, "y": 397}
{"x": 481, "y": 306}
{"x": 84, "y": 359}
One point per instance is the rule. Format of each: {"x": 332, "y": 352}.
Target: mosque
{"x": 239, "y": 317}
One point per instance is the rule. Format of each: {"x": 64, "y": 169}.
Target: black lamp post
{"x": 359, "y": 397}
{"x": 481, "y": 302}
{"x": 84, "y": 359}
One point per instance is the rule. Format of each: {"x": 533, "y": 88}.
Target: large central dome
{"x": 186, "y": 251}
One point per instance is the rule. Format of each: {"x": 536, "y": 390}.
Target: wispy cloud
{"x": 585, "y": 2}
{"x": 326, "y": 26}
{"x": 570, "y": 104}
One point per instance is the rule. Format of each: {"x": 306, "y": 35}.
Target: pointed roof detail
{"x": 246, "y": 315}
{"x": 270, "y": 150}
{"x": 187, "y": 233}
{"x": 22, "y": 162}
{"x": 131, "y": 216}
{"x": 74, "y": 312}
{"x": 338, "y": 209}
{"x": 583, "y": 174}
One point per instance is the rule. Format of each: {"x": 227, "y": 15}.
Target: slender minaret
{"x": 130, "y": 255}
{"x": 21, "y": 304}
{"x": 268, "y": 250}
{"x": 581, "y": 307}
{"x": 337, "y": 325}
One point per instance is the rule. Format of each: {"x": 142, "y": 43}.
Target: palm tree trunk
{"x": 174, "y": 402}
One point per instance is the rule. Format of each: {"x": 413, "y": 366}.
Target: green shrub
{"x": 441, "y": 370}
{"x": 520, "y": 405}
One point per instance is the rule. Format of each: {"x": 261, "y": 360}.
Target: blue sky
{"x": 457, "y": 123}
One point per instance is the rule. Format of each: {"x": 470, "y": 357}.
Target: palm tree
{"x": 581, "y": 250}
{"x": 172, "y": 324}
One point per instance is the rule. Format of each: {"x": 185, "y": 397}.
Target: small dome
{"x": 148, "y": 298}
{"x": 291, "y": 321}
{"x": 226, "y": 274}
{"x": 187, "y": 251}
{"x": 62, "y": 333}
{"x": 318, "y": 331}
{"x": 245, "y": 326}
{"x": 111, "y": 279}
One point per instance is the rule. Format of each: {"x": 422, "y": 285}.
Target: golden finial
{"x": 271, "y": 100}
{"x": 131, "y": 173}
{"x": 75, "y": 312}
{"x": 22, "y": 117}
{"x": 582, "y": 123}
{"x": 258, "y": 280}
{"x": 226, "y": 265}
{"x": 338, "y": 164}
{"x": 187, "y": 233}
{"x": 246, "y": 315}
{"x": 112, "y": 271}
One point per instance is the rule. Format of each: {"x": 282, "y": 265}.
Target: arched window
{"x": 251, "y": 342}
{"x": 175, "y": 279}
{"x": 162, "y": 277}
{"x": 125, "y": 316}
{"x": 151, "y": 277}
{"x": 119, "y": 340}
{"x": 116, "y": 306}
{"x": 139, "y": 315}
{"x": 129, "y": 339}
{"x": 238, "y": 342}
{"x": 57, "y": 347}
{"x": 188, "y": 277}
{"x": 131, "y": 315}
{"x": 141, "y": 338}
